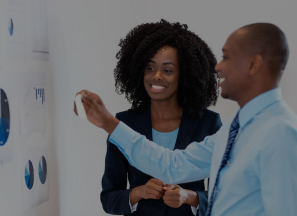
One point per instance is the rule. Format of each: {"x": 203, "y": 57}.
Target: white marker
{"x": 80, "y": 107}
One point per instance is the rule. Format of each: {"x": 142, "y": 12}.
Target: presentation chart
{"x": 29, "y": 175}
{"x": 32, "y": 102}
{"x": 4, "y": 118}
{"x": 16, "y": 38}
{"x": 42, "y": 170}
{"x": 40, "y": 46}
{"x": 35, "y": 182}
{"x": 10, "y": 27}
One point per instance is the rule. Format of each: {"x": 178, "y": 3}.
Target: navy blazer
{"x": 115, "y": 195}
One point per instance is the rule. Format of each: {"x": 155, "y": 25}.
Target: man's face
{"x": 233, "y": 68}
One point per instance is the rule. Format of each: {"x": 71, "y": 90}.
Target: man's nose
{"x": 218, "y": 67}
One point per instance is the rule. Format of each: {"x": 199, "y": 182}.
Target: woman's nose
{"x": 158, "y": 75}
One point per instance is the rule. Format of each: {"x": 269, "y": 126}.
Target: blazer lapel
{"x": 186, "y": 130}
{"x": 143, "y": 123}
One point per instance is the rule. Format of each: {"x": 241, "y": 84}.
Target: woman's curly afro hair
{"x": 198, "y": 84}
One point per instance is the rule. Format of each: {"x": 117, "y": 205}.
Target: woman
{"x": 167, "y": 73}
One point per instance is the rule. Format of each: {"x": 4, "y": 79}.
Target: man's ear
{"x": 256, "y": 63}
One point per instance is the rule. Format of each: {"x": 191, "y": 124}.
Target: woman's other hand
{"x": 153, "y": 189}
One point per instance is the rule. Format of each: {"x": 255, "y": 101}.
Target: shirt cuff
{"x": 194, "y": 210}
{"x": 121, "y": 130}
{"x": 134, "y": 207}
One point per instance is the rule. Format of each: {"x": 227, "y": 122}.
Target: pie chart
{"x": 10, "y": 27}
{"x": 29, "y": 175}
{"x": 4, "y": 118}
{"x": 42, "y": 169}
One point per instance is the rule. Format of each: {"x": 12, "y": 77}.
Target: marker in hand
{"x": 90, "y": 106}
{"x": 80, "y": 107}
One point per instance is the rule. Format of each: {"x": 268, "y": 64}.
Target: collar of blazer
{"x": 143, "y": 125}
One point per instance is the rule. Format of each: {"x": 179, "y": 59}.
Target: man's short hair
{"x": 269, "y": 41}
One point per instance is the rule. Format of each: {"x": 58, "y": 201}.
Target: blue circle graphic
{"x": 4, "y": 118}
{"x": 29, "y": 175}
{"x": 10, "y": 27}
{"x": 42, "y": 169}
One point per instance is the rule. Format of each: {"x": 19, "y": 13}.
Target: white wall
{"x": 84, "y": 37}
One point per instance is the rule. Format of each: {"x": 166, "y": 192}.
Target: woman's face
{"x": 161, "y": 76}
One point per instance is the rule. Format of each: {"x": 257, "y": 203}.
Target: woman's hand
{"x": 96, "y": 112}
{"x": 175, "y": 196}
{"x": 153, "y": 189}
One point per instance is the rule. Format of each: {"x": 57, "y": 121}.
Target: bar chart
{"x": 39, "y": 92}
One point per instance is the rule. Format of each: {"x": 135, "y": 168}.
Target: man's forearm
{"x": 172, "y": 167}
{"x": 110, "y": 124}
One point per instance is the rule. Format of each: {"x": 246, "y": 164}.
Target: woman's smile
{"x": 157, "y": 88}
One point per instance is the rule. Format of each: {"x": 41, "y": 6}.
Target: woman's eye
{"x": 150, "y": 68}
{"x": 167, "y": 71}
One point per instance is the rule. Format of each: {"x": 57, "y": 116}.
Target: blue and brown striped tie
{"x": 232, "y": 135}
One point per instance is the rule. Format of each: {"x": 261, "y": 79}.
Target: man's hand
{"x": 153, "y": 189}
{"x": 175, "y": 196}
{"x": 96, "y": 112}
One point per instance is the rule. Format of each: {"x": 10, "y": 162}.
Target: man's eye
{"x": 167, "y": 71}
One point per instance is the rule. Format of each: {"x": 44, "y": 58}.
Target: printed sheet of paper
{"x": 40, "y": 47}
{"x": 34, "y": 176}
{"x": 6, "y": 139}
{"x": 32, "y": 102}
{"x": 16, "y": 30}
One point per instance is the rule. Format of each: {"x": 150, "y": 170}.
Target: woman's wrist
{"x": 192, "y": 198}
{"x": 135, "y": 195}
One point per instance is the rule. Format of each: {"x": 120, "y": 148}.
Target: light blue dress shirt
{"x": 261, "y": 175}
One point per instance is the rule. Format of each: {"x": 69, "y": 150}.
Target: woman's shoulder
{"x": 207, "y": 115}
{"x": 126, "y": 116}
{"x": 210, "y": 117}
{"x": 210, "y": 113}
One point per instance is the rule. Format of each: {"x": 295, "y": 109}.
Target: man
{"x": 251, "y": 160}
